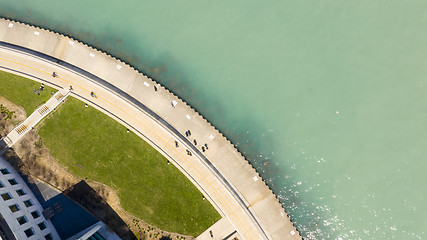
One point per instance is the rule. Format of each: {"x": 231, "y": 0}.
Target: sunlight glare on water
{"x": 326, "y": 98}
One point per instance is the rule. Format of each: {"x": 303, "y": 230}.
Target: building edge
{"x": 159, "y": 85}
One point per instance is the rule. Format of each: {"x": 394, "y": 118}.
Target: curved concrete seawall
{"x": 221, "y": 173}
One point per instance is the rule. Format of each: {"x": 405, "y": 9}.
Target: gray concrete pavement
{"x": 19, "y": 131}
{"x": 221, "y": 173}
{"x": 221, "y": 230}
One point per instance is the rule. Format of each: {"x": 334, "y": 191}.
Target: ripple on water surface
{"x": 326, "y": 99}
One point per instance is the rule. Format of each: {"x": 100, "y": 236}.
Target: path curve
{"x": 221, "y": 173}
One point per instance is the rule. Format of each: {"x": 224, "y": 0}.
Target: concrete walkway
{"x": 221, "y": 173}
{"x": 18, "y": 132}
{"x": 221, "y": 230}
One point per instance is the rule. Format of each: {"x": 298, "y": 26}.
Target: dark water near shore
{"x": 326, "y": 98}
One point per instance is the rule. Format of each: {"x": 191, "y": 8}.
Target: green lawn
{"x": 147, "y": 186}
{"x": 20, "y": 91}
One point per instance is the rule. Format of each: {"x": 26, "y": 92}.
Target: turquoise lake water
{"x": 327, "y": 98}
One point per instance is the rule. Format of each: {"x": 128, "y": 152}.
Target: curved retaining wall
{"x": 240, "y": 195}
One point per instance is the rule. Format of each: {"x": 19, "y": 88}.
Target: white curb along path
{"x": 18, "y": 132}
{"x": 221, "y": 173}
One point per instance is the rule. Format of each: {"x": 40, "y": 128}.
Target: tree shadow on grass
{"x": 165, "y": 238}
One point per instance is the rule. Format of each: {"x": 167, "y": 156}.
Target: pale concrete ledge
{"x": 221, "y": 173}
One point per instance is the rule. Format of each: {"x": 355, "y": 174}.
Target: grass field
{"x": 20, "y": 91}
{"x": 92, "y": 145}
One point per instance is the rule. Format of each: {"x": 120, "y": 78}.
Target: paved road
{"x": 221, "y": 173}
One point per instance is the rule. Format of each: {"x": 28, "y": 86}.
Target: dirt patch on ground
{"x": 18, "y": 116}
{"x": 31, "y": 158}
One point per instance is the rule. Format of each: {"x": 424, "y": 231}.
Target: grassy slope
{"x": 20, "y": 91}
{"x": 147, "y": 186}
